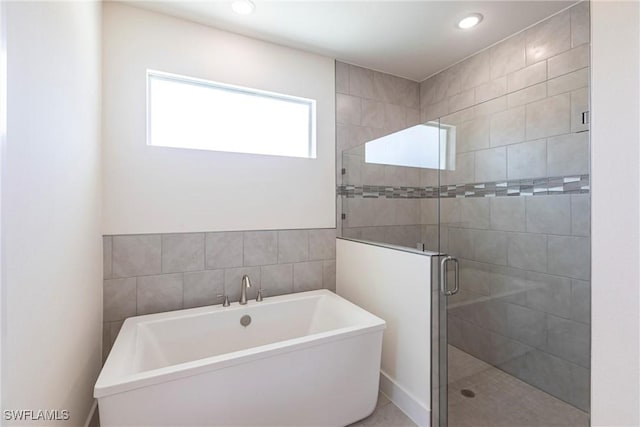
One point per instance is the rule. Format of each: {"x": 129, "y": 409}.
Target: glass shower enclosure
{"x": 499, "y": 188}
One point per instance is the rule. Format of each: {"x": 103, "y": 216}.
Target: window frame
{"x": 311, "y": 103}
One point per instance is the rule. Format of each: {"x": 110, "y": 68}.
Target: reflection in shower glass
{"x": 421, "y": 146}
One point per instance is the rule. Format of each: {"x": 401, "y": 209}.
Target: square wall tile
{"x": 491, "y": 165}
{"x": 527, "y": 160}
{"x": 508, "y": 213}
{"x": 491, "y": 90}
{"x": 403, "y": 235}
{"x": 490, "y": 246}
{"x": 475, "y": 212}
{"x": 322, "y": 244}
{"x": 461, "y": 100}
{"x": 568, "y": 82}
{"x": 450, "y": 211}
{"x": 224, "y": 250}
{"x": 568, "y": 154}
{"x": 429, "y": 211}
{"x": 384, "y": 87}
{"x": 548, "y": 38}
{"x": 182, "y": 252}
{"x": 476, "y": 70}
{"x": 464, "y": 171}
{"x": 581, "y": 301}
{"x": 490, "y": 107}
{"x": 372, "y": 174}
{"x": 508, "y": 127}
{"x": 361, "y": 82}
{"x": 548, "y": 373}
{"x": 329, "y": 275}
{"x": 412, "y": 117}
{"x": 277, "y": 279}
{"x": 395, "y": 117}
{"x": 119, "y": 299}
{"x": 570, "y": 256}
{"x": 137, "y": 255}
{"x": 549, "y": 214}
{"x": 293, "y": 246}
{"x": 435, "y": 111}
{"x": 260, "y": 248}
{"x": 527, "y": 251}
{"x": 160, "y": 293}
{"x": 508, "y": 56}
{"x": 580, "y": 24}
{"x": 580, "y": 395}
{"x": 407, "y": 211}
{"x": 569, "y": 340}
{"x": 580, "y": 214}
{"x": 462, "y": 242}
{"x": 348, "y": 109}
{"x": 407, "y": 92}
{"x": 203, "y": 288}
{"x": 372, "y": 113}
{"x": 569, "y": 61}
{"x": 459, "y": 117}
{"x": 473, "y": 135}
{"x": 529, "y": 76}
{"x": 307, "y": 276}
{"x": 548, "y": 117}
{"x": 549, "y": 294}
{"x": 427, "y": 92}
{"x": 526, "y": 325}
{"x": 527, "y": 95}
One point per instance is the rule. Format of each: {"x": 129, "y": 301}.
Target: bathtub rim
{"x": 110, "y": 384}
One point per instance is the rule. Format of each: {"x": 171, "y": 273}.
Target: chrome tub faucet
{"x": 246, "y": 283}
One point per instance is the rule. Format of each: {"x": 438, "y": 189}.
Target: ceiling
{"x": 412, "y": 39}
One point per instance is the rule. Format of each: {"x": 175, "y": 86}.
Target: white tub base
{"x": 332, "y": 381}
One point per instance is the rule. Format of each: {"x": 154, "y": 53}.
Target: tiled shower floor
{"x": 502, "y": 400}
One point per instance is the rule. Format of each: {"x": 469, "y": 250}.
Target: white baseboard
{"x": 404, "y": 400}
{"x": 92, "y": 413}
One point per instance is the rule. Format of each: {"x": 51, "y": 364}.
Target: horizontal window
{"x": 190, "y": 113}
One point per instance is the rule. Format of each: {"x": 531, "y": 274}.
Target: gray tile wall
{"x": 524, "y": 303}
{"x": 153, "y": 273}
{"x": 369, "y": 105}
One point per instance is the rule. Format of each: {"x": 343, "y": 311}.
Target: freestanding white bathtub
{"x": 310, "y": 358}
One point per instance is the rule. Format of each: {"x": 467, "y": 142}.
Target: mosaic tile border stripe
{"x": 570, "y": 184}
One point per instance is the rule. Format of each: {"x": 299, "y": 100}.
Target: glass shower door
{"x": 511, "y": 315}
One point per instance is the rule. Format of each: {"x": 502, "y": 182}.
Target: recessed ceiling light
{"x": 470, "y": 21}
{"x": 243, "y": 7}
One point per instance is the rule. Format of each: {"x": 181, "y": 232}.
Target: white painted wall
{"x": 394, "y": 285}
{"x": 3, "y": 143}
{"x": 615, "y": 154}
{"x": 51, "y": 241}
{"x": 159, "y": 190}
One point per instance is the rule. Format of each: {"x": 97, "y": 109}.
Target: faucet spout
{"x": 246, "y": 283}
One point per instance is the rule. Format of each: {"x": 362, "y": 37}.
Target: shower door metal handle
{"x": 444, "y": 278}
